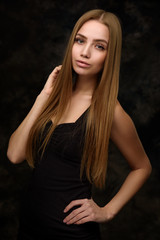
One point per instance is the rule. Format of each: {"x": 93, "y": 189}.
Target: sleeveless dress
{"x": 55, "y": 182}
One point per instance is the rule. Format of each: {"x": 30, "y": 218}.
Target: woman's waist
{"x": 47, "y": 208}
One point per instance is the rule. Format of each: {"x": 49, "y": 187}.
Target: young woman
{"x": 66, "y": 134}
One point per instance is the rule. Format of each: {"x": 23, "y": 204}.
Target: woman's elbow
{"x": 13, "y": 157}
{"x": 149, "y": 169}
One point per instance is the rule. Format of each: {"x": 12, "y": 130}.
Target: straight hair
{"x": 100, "y": 114}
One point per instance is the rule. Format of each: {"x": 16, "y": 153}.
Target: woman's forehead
{"x": 95, "y": 29}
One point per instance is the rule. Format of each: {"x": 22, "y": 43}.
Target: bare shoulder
{"x": 124, "y": 135}
{"x": 122, "y": 123}
{"x": 119, "y": 112}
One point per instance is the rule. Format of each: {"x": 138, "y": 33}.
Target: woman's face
{"x": 90, "y": 48}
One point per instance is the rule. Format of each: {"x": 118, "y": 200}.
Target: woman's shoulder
{"x": 121, "y": 120}
{"x": 118, "y": 111}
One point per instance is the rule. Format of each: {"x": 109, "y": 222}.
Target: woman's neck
{"x": 85, "y": 85}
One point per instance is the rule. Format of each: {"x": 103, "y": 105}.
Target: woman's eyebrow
{"x": 95, "y": 40}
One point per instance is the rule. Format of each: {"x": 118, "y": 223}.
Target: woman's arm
{"x": 124, "y": 135}
{"x": 18, "y": 140}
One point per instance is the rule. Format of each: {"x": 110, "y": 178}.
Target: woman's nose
{"x": 86, "y": 51}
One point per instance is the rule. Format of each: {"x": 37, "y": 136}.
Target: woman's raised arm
{"x": 17, "y": 144}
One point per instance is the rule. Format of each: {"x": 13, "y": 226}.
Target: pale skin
{"x": 88, "y": 55}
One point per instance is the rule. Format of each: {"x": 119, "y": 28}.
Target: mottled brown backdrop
{"x": 33, "y": 37}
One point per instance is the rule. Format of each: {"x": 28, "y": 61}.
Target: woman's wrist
{"x": 44, "y": 93}
{"x": 42, "y": 97}
{"x": 109, "y": 212}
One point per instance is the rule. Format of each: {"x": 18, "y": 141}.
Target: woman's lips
{"x": 82, "y": 64}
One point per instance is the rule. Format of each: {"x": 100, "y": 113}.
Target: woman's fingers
{"x": 75, "y": 203}
{"x": 88, "y": 211}
{"x": 52, "y": 77}
{"x": 84, "y": 220}
{"x": 55, "y": 72}
{"x": 75, "y": 215}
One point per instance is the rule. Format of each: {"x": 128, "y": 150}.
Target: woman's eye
{"x": 100, "y": 47}
{"x": 78, "y": 40}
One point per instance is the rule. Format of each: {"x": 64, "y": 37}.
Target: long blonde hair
{"x": 100, "y": 115}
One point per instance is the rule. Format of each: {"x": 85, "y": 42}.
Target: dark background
{"x": 32, "y": 42}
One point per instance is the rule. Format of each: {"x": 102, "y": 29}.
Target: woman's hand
{"x": 50, "y": 81}
{"x": 88, "y": 211}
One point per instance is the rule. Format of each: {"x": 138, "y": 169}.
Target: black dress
{"x": 54, "y": 184}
